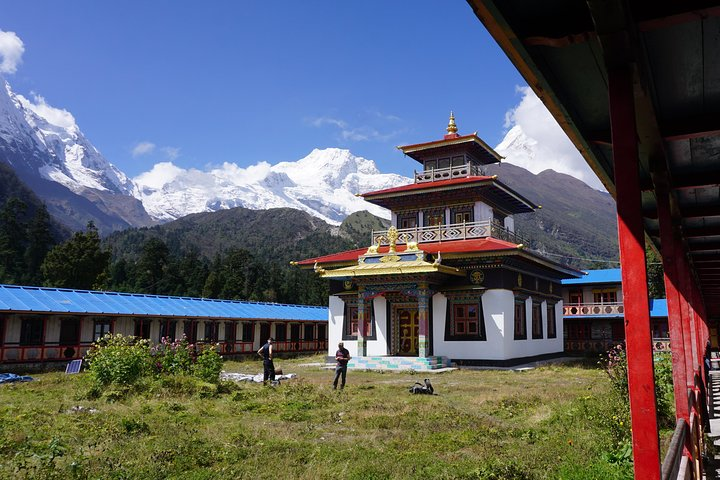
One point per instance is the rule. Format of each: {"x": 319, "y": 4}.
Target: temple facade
{"x": 450, "y": 280}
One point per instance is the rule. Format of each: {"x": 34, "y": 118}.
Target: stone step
{"x": 399, "y": 363}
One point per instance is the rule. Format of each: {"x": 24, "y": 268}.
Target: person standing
{"x": 342, "y": 357}
{"x": 266, "y": 352}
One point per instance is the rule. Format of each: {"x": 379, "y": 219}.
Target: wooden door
{"x": 408, "y": 334}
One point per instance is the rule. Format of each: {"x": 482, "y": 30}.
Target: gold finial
{"x": 392, "y": 236}
{"x": 452, "y": 128}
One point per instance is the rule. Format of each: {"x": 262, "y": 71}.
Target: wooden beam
{"x": 694, "y": 232}
{"x": 676, "y": 13}
{"x": 701, "y": 211}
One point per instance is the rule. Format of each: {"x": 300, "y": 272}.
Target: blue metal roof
{"x": 608, "y": 275}
{"x": 15, "y": 298}
{"x": 658, "y": 307}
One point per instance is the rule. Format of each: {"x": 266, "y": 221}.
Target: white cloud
{"x": 171, "y": 152}
{"x": 242, "y": 176}
{"x": 11, "y": 52}
{"x": 143, "y": 148}
{"x": 56, "y": 116}
{"x": 553, "y": 149}
{"x": 162, "y": 173}
{"x": 355, "y": 133}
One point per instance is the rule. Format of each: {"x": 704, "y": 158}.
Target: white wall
{"x": 379, "y": 346}
{"x": 530, "y": 347}
{"x": 335, "y": 323}
{"x": 510, "y": 223}
{"x": 482, "y": 212}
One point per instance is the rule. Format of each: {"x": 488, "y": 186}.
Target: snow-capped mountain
{"x": 324, "y": 184}
{"x": 48, "y": 152}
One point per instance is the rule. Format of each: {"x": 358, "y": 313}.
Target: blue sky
{"x": 201, "y": 83}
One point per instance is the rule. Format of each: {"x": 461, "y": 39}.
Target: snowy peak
{"x": 323, "y": 183}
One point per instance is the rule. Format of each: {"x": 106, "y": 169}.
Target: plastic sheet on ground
{"x": 244, "y": 377}
{"x": 11, "y": 377}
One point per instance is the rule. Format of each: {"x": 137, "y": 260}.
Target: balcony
{"x": 586, "y": 309}
{"x": 450, "y": 232}
{"x": 458, "y": 171}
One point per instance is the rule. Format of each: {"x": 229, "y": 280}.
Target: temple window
{"x": 430, "y": 164}
{"x": 434, "y": 217}
{"x": 462, "y": 214}
{"x": 537, "y": 327}
{"x": 351, "y": 322}
{"x": 443, "y": 163}
{"x": 458, "y": 161}
{"x": 551, "y": 324}
{"x": 520, "y": 319}
{"x": 407, "y": 220}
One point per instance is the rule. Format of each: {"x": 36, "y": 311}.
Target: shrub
{"x": 118, "y": 359}
{"x": 172, "y": 357}
{"x": 208, "y": 364}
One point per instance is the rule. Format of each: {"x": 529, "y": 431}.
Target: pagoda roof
{"x": 499, "y": 192}
{"x": 448, "y": 250}
{"x": 475, "y": 145}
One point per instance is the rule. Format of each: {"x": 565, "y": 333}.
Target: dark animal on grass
{"x": 420, "y": 389}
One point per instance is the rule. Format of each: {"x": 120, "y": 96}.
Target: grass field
{"x": 547, "y": 423}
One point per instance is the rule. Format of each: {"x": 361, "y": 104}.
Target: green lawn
{"x": 546, "y": 423}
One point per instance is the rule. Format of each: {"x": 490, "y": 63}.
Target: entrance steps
{"x": 399, "y": 363}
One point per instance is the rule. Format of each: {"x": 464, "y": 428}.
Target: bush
{"x": 172, "y": 357}
{"x": 118, "y": 359}
{"x": 208, "y": 365}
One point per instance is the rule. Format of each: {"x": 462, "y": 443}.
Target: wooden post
{"x": 361, "y": 342}
{"x": 423, "y": 320}
{"x": 671, "y": 249}
{"x": 641, "y": 383}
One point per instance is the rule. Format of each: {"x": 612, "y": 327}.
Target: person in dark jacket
{"x": 342, "y": 357}
{"x": 266, "y": 352}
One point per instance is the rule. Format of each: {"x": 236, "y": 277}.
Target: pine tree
{"x": 40, "y": 240}
{"x": 152, "y": 265}
{"x": 12, "y": 240}
{"x": 77, "y": 263}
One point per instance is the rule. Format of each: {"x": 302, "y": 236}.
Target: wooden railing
{"x": 572, "y": 309}
{"x": 601, "y": 345}
{"x": 683, "y": 458}
{"x": 438, "y": 174}
{"x": 449, "y": 232}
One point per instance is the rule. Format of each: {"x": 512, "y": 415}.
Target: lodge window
{"x": 101, "y": 327}
{"x": 69, "y": 331}
{"x": 309, "y": 331}
{"x": 604, "y": 296}
{"x": 190, "y": 330}
{"x": 551, "y": 325}
{"x": 321, "y": 334}
{"x": 31, "y": 331}
{"x": 230, "y": 329}
{"x": 2, "y": 330}
{"x": 247, "y": 332}
{"x": 537, "y": 327}
{"x": 465, "y": 321}
{"x": 434, "y": 217}
{"x": 280, "y": 332}
{"x": 211, "y": 331}
{"x": 294, "y": 332}
{"x": 520, "y": 320}
{"x": 575, "y": 296}
{"x": 167, "y": 329}
{"x": 350, "y": 322}
{"x": 142, "y": 327}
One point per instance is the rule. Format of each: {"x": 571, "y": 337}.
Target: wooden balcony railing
{"x": 600, "y": 309}
{"x": 458, "y": 171}
{"x": 449, "y": 232}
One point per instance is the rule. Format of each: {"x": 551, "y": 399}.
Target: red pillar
{"x": 361, "y": 341}
{"x": 671, "y": 249}
{"x": 641, "y": 383}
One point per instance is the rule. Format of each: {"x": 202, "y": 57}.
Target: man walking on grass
{"x": 342, "y": 357}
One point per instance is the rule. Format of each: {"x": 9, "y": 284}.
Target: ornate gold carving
{"x": 392, "y": 235}
{"x": 318, "y": 268}
{"x": 412, "y": 247}
{"x": 348, "y": 284}
{"x": 519, "y": 280}
{"x": 372, "y": 249}
{"x": 477, "y": 277}
{"x": 452, "y": 128}
{"x": 390, "y": 258}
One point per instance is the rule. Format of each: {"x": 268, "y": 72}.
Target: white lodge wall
{"x": 379, "y": 346}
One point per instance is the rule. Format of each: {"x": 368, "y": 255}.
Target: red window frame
{"x": 520, "y": 320}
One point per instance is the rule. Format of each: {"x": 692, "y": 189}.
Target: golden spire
{"x": 451, "y": 128}
{"x": 392, "y": 236}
